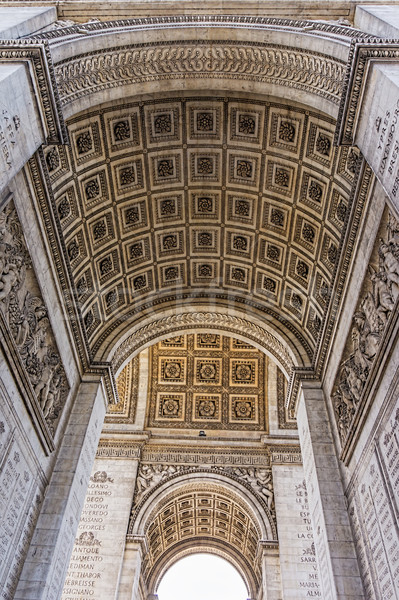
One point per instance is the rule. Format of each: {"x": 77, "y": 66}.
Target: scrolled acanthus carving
{"x": 26, "y": 318}
{"x": 369, "y": 323}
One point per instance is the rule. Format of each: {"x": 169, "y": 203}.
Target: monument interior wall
{"x": 199, "y": 282}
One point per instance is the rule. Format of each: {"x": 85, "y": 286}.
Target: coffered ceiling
{"x": 207, "y": 516}
{"x": 192, "y": 199}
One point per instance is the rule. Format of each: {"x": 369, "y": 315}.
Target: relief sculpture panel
{"x": 377, "y": 300}
{"x": 25, "y": 321}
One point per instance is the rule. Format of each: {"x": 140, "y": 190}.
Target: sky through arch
{"x": 202, "y": 577}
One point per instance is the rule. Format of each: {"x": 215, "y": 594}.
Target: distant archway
{"x": 212, "y": 512}
{"x": 202, "y": 575}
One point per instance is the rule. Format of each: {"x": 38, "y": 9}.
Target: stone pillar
{"x": 271, "y": 576}
{"x": 381, "y": 21}
{"x": 27, "y": 20}
{"x": 143, "y": 388}
{"x": 102, "y": 529}
{"x": 299, "y": 571}
{"x": 335, "y": 551}
{"x": 45, "y": 566}
{"x": 130, "y": 577}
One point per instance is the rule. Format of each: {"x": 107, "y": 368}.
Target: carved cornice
{"x": 205, "y": 456}
{"x": 307, "y": 71}
{"x": 361, "y": 54}
{"x": 38, "y": 176}
{"x": 285, "y": 454}
{"x": 307, "y": 26}
{"x": 276, "y": 454}
{"x": 38, "y": 57}
{"x": 119, "y": 449}
{"x": 36, "y": 173}
{"x": 214, "y": 321}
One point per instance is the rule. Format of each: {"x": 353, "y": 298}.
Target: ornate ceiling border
{"x": 274, "y": 454}
{"x": 333, "y": 30}
{"x": 166, "y": 326}
{"x": 36, "y": 174}
{"x": 38, "y": 57}
{"x": 91, "y": 72}
{"x": 360, "y": 55}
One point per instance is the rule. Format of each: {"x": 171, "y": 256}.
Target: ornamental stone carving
{"x": 297, "y": 69}
{"x": 369, "y": 323}
{"x": 26, "y": 318}
{"x": 259, "y": 480}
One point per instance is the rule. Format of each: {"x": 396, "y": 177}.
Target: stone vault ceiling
{"x": 204, "y": 516}
{"x": 185, "y": 199}
{"x": 202, "y": 381}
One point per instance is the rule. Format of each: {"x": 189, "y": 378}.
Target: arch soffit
{"x": 302, "y": 61}
{"x": 156, "y": 500}
{"x": 86, "y": 69}
{"x": 154, "y": 329}
{"x": 170, "y": 491}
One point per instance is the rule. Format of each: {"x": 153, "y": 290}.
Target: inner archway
{"x": 202, "y": 576}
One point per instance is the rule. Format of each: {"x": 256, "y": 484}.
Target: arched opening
{"x": 202, "y": 576}
{"x": 201, "y": 245}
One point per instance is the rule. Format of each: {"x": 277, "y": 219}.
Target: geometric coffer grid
{"x": 207, "y": 381}
{"x": 224, "y": 197}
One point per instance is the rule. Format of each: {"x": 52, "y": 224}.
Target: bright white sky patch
{"x": 202, "y": 577}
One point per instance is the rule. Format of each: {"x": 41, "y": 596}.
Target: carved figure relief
{"x": 258, "y": 479}
{"x": 369, "y": 323}
{"x": 26, "y": 317}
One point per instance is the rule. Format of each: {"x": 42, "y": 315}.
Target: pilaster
{"x": 335, "y": 551}
{"x": 47, "y": 560}
{"x": 271, "y": 575}
{"x": 132, "y": 559}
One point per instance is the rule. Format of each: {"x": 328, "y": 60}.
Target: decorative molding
{"x": 285, "y": 454}
{"x": 205, "y": 456}
{"x": 333, "y": 30}
{"x": 36, "y": 173}
{"x": 127, "y": 385}
{"x": 119, "y": 449}
{"x": 201, "y": 320}
{"x": 358, "y": 200}
{"x": 308, "y": 71}
{"x": 37, "y": 56}
{"x": 361, "y": 54}
{"x": 281, "y": 387}
{"x": 359, "y": 197}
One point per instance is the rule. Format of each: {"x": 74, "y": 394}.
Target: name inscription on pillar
{"x": 388, "y": 148}
{"x": 310, "y": 579}
{"x": 9, "y": 126}
{"x": 85, "y": 570}
{"x": 379, "y": 522}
